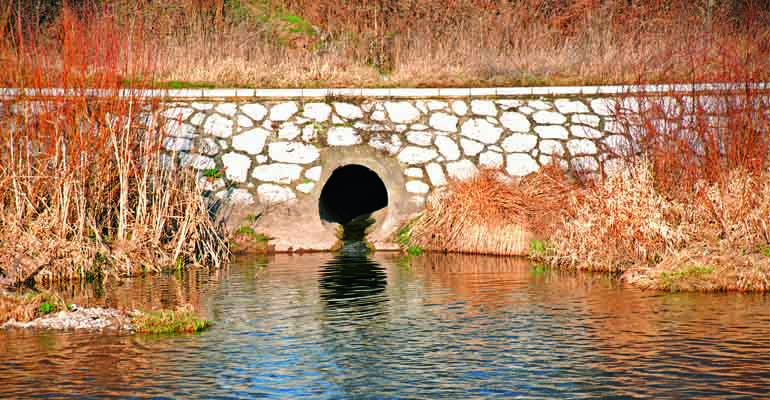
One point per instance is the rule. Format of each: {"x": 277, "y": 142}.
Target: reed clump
{"x": 491, "y": 213}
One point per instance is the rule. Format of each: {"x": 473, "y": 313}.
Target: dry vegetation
{"x": 409, "y": 42}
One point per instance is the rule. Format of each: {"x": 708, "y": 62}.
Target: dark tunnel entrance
{"x": 349, "y": 197}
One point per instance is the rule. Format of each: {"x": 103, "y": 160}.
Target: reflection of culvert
{"x": 349, "y": 197}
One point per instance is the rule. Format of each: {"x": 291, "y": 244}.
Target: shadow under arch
{"x": 349, "y": 197}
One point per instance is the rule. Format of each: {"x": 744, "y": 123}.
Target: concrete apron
{"x": 296, "y": 225}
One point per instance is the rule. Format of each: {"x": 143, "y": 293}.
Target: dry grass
{"x": 421, "y": 42}
{"x": 492, "y": 214}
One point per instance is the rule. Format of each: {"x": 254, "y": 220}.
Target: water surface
{"x": 435, "y": 326}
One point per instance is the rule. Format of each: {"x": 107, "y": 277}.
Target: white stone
{"x": 252, "y": 141}
{"x": 348, "y": 111}
{"x": 197, "y": 161}
{"x": 178, "y": 113}
{"x": 392, "y": 146}
{"x": 566, "y": 106}
{"x": 581, "y": 146}
{"x": 491, "y": 159}
{"x": 462, "y": 169}
{"x": 551, "y": 132}
{"x": 174, "y": 128}
{"x": 419, "y": 127}
{"x": 260, "y": 159}
{"x": 292, "y": 152}
{"x": 549, "y": 117}
{"x": 416, "y": 155}
{"x": 177, "y": 144}
{"x": 342, "y": 136}
{"x": 586, "y": 119}
{"x": 420, "y": 104}
{"x": 515, "y": 122}
{"x": 314, "y": 173}
{"x": 402, "y": 112}
{"x": 236, "y": 196}
{"x": 269, "y": 193}
{"x": 308, "y": 133}
{"x": 614, "y": 126}
{"x": 604, "y": 107}
{"x": 614, "y": 166}
{"x": 379, "y": 115}
{"x": 526, "y": 110}
{"x": 401, "y": 127}
{"x": 585, "y": 164}
{"x": 218, "y": 126}
{"x": 318, "y": 112}
{"x": 278, "y": 172}
{"x": 254, "y": 111}
{"x": 443, "y": 122}
{"x": 471, "y": 147}
{"x": 244, "y": 122}
{"x": 228, "y": 109}
{"x": 337, "y": 120}
{"x": 551, "y": 147}
{"x": 618, "y": 144}
{"x": 289, "y": 131}
{"x": 413, "y": 172}
{"x": 283, "y": 111}
{"x": 435, "y": 105}
{"x": 481, "y": 130}
{"x": 484, "y": 107}
{"x": 236, "y": 166}
{"x": 585, "y": 132}
{"x": 459, "y": 107}
{"x": 210, "y": 185}
{"x": 208, "y": 146}
{"x": 417, "y": 187}
{"x": 508, "y": 104}
{"x": 202, "y": 106}
{"x": 197, "y": 119}
{"x": 519, "y": 164}
{"x": 436, "y": 174}
{"x": 448, "y": 148}
{"x": 306, "y": 187}
{"x": 419, "y": 138}
{"x": 519, "y": 142}
{"x": 539, "y": 105}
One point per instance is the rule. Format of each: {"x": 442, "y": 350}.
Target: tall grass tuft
{"x": 84, "y": 186}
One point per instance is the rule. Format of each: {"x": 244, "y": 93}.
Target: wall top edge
{"x": 392, "y": 92}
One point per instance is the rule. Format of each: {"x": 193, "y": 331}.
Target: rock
{"x": 228, "y": 109}
{"x": 177, "y": 144}
{"x": 289, "y": 131}
{"x": 402, "y": 112}
{"x": 418, "y": 187}
{"x": 508, "y": 104}
{"x": 585, "y": 164}
{"x": 252, "y": 142}
{"x": 292, "y": 152}
{"x": 236, "y": 166}
{"x": 539, "y": 105}
{"x": 416, "y": 155}
{"x": 236, "y": 196}
{"x": 443, "y": 122}
{"x": 462, "y": 169}
{"x": 551, "y": 132}
{"x": 471, "y": 147}
{"x": 618, "y": 144}
{"x": 481, "y": 130}
{"x": 283, "y": 111}
{"x": 519, "y": 142}
{"x": 484, "y": 107}
{"x": 516, "y": 122}
{"x": 419, "y": 138}
{"x": 459, "y": 107}
{"x": 586, "y": 119}
{"x": 581, "y": 146}
{"x": 549, "y": 117}
{"x": 348, "y": 111}
{"x": 436, "y": 174}
{"x": 306, "y": 187}
{"x": 278, "y": 172}
{"x": 197, "y": 161}
{"x": 342, "y": 136}
{"x": 551, "y": 147}
{"x": 178, "y": 113}
{"x": 584, "y": 132}
{"x": 202, "y": 106}
{"x": 566, "y": 106}
{"x": 314, "y": 173}
{"x": 435, "y": 105}
{"x": 413, "y": 172}
{"x": 175, "y": 128}
{"x": 391, "y": 145}
{"x": 269, "y": 193}
{"x": 448, "y": 148}
{"x": 244, "y": 122}
{"x": 318, "y": 112}
{"x": 519, "y": 164}
{"x": 491, "y": 159}
{"x": 604, "y": 107}
{"x": 254, "y": 111}
{"x": 218, "y": 126}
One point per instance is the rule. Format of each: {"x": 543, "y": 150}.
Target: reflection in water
{"x": 436, "y": 327}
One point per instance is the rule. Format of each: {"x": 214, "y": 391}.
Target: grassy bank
{"x": 301, "y": 43}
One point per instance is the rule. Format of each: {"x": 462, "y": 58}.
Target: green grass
{"x": 414, "y": 250}
{"x": 213, "y": 173}
{"x": 169, "y": 321}
{"x": 537, "y": 248}
{"x": 673, "y": 280}
{"x": 248, "y": 231}
{"x": 46, "y": 308}
{"x": 765, "y": 250}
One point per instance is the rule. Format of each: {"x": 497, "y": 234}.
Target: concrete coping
{"x": 618, "y": 90}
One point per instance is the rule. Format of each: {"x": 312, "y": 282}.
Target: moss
{"x": 46, "y": 308}
{"x": 414, "y": 250}
{"x": 537, "y": 248}
{"x": 247, "y": 231}
{"x": 182, "y": 320}
{"x": 675, "y": 280}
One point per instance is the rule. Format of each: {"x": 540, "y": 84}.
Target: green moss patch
{"x": 182, "y": 320}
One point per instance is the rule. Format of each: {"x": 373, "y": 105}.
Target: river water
{"x": 435, "y": 326}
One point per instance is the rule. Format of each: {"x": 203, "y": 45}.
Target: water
{"x": 434, "y": 326}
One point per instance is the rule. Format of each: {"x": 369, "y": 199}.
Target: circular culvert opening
{"x": 349, "y": 197}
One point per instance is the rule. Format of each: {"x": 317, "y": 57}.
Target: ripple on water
{"x": 434, "y": 326}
